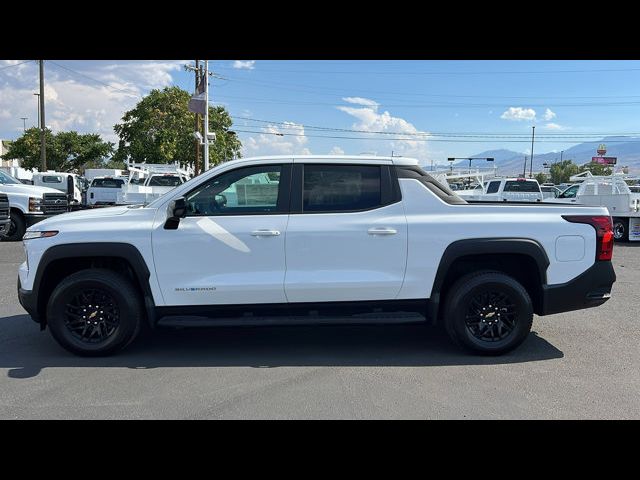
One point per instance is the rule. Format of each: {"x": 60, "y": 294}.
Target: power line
{"x": 123, "y": 90}
{"x": 291, "y": 125}
{"x": 280, "y": 134}
{"x": 16, "y": 64}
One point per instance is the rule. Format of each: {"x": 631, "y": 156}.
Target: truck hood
{"x": 82, "y": 217}
{"x": 23, "y": 189}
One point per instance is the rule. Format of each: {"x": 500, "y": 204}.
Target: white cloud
{"x": 554, "y": 126}
{"x": 271, "y": 143}
{"x": 361, "y": 101}
{"x": 371, "y": 120}
{"x": 76, "y": 102}
{"x": 518, "y": 114}
{"x": 336, "y": 151}
{"x": 244, "y": 64}
{"x": 549, "y": 115}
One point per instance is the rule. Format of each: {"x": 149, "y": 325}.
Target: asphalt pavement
{"x": 576, "y": 365}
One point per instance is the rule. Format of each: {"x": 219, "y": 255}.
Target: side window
{"x": 570, "y": 192}
{"x": 244, "y": 191}
{"x": 493, "y": 187}
{"x": 341, "y": 188}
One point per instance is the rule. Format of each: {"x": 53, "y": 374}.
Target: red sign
{"x": 605, "y": 160}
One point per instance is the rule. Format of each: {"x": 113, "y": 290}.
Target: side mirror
{"x": 178, "y": 210}
{"x": 179, "y": 207}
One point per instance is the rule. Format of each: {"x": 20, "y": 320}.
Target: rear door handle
{"x": 265, "y": 233}
{"x": 382, "y": 231}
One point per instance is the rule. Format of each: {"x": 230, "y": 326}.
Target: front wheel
{"x": 17, "y": 227}
{"x": 621, "y": 229}
{"x": 488, "y": 313}
{"x": 94, "y": 312}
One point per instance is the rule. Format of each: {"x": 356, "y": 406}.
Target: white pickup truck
{"x": 505, "y": 190}
{"x": 314, "y": 240}
{"x": 105, "y": 190}
{"x": 29, "y": 204}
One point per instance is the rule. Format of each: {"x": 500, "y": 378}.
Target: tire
{"x": 487, "y": 332}
{"x": 71, "y": 303}
{"x": 621, "y": 229}
{"x": 17, "y": 227}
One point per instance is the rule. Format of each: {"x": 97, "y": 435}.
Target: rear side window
{"x": 107, "y": 182}
{"x": 442, "y": 191}
{"x": 341, "y": 188}
{"x": 493, "y": 187}
{"x": 521, "y": 186}
{"x": 165, "y": 181}
{"x": 51, "y": 179}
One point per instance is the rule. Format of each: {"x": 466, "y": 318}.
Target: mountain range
{"x": 509, "y": 162}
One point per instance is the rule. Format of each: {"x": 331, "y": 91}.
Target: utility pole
{"x": 561, "y": 152}
{"x": 43, "y": 148}
{"x": 24, "y": 123}
{"x": 206, "y": 115}
{"x": 533, "y": 135}
{"x": 524, "y": 170}
{"x": 196, "y": 170}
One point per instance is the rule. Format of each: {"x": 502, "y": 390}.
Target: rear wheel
{"x": 488, "y": 313}
{"x": 17, "y": 227}
{"x": 621, "y": 229}
{"x": 94, "y": 312}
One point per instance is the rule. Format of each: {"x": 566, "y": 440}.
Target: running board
{"x": 254, "y": 321}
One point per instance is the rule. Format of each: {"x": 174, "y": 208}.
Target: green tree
{"x": 540, "y": 177}
{"x": 596, "y": 169}
{"x": 561, "y": 171}
{"x": 66, "y": 151}
{"x": 159, "y": 129}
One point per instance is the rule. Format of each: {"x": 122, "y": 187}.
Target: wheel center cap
{"x": 490, "y": 314}
{"x": 93, "y": 315}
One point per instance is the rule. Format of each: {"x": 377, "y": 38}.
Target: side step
{"x": 253, "y": 321}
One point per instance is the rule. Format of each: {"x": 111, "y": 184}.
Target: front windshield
{"x": 6, "y": 179}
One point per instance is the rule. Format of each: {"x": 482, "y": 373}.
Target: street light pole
{"x": 43, "y": 147}
{"x": 206, "y": 115}
{"x": 24, "y": 123}
{"x": 533, "y": 134}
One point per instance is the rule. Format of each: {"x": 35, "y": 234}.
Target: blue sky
{"x": 458, "y": 107}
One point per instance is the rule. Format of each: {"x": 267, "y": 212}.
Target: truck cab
{"x": 60, "y": 181}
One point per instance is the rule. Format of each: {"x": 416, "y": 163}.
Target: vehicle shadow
{"x": 26, "y": 351}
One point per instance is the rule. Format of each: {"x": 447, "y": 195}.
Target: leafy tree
{"x": 540, "y": 177}
{"x": 561, "y": 171}
{"x": 596, "y": 169}
{"x": 66, "y": 151}
{"x": 159, "y": 129}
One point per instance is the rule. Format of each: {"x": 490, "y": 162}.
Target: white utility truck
{"x": 314, "y": 240}
{"x": 149, "y": 181}
{"x": 612, "y": 192}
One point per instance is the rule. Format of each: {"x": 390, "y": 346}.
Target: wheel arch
{"x": 513, "y": 256}
{"x": 62, "y": 260}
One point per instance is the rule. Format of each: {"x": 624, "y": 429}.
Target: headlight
{"x": 32, "y": 235}
{"x": 34, "y": 204}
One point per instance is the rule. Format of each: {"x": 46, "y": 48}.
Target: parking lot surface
{"x": 583, "y": 364}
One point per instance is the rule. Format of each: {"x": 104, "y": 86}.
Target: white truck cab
{"x": 105, "y": 190}
{"x": 59, "y": 181}
{"x": 301, "y": 240}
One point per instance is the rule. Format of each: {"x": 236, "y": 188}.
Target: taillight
{"x": 604, "y": 233}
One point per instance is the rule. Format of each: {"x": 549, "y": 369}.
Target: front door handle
{"x": 382, "y": 231}
{"x": 265, "y": 233}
